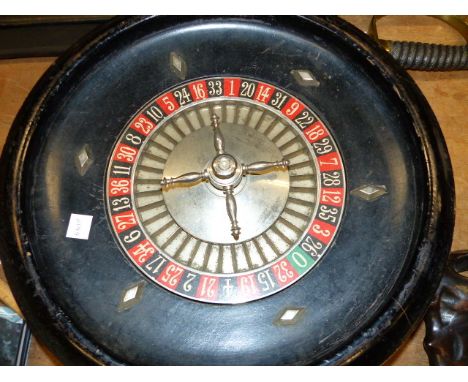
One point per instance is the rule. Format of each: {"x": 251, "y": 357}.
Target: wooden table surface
{"x": 446, "y": 93}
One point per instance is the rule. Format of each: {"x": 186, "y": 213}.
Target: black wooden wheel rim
{"x": 373, "y": 341}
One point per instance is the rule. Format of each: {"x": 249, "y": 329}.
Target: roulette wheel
{"x": 225, "y": 190}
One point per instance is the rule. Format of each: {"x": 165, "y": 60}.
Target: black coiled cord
{"x": 431, "y": 57}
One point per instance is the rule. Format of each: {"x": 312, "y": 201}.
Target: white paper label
{"x": 79, "y": 226}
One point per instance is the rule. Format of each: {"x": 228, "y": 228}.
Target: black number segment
{"x": 313, "y": 246}
{"x": 247, "y": 89}
{"x": 155, "y": 113}
{"x": 279, "y": 99}
{"x": 304, "y": 119}
{"x": 121, "y": 170}
{"x": 332, "y": 179}
{"x": 183, "y": 95}
{"x": 215, "y": 88}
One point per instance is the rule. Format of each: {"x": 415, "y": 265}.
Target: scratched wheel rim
{"x": 399, "y": 140}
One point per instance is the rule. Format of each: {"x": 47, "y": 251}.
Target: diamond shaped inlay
{"x": 131, "y": 296}
{"x": 289, "y": 316}
{"x": 304, "y": 77}
{"x": 178, "y": 65}
{"x": 83, "y": 159}
{"x": 370, "y": 192}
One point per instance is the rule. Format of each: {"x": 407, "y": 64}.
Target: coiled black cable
{"x": 430, "y": 57}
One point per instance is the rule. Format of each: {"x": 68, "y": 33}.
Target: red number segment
{"x": 332, "y": 196}
{"x": 284, "y": 272}
{"x": 125, "y": 153}
{"x": 247, "y": 287}
{"x": 124, "y": 221}
{"x": 143, "y": 125}
{"x": 198, "y": 90}
{"x": 315, "y": 132}
{"x": 329, "y": 162}
{"x": 208, "y": 288}
{"x": 171, "y": 276}
{"x": 119, "y": 186}
{"x": 142, "y": 252}
{"x": 322, "y": 231}
{"x": 292, "y": 108}
{"x": 231, "y": 87}
{"x": 168, "y": 103}
{"x": 264, "y": 92}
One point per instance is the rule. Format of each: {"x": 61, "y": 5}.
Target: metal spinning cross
{"x": 225, "y": 174}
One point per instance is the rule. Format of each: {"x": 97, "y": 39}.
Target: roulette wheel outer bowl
{"x": 371, "y": 344}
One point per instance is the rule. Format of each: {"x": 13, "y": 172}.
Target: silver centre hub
{"x": 224, "y": 166}
{"x": 224, "y": 172}
{"x": 261, "y": 198}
